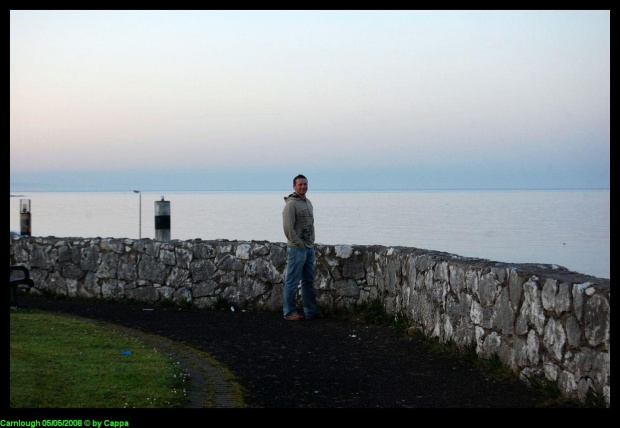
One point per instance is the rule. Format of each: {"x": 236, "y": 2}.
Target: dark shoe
{"x": 295, "y": 317}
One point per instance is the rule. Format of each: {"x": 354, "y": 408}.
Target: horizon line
{"x": 316, "y": 190}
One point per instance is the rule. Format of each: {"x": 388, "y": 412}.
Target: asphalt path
{"x": 326, "y": 363}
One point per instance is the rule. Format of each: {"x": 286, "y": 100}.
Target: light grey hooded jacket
{"x": 298, "y": 221}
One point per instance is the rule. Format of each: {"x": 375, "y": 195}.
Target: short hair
{"x": 298, "y": 176}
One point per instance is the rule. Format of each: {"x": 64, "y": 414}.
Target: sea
{"x": 569, "y": 228}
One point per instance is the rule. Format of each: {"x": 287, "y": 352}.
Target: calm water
{"x": 570, "y": 228}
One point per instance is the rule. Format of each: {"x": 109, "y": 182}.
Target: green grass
{"x": 58, "y": 362}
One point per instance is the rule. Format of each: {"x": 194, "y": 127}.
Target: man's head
{"x": 300, "y": 185}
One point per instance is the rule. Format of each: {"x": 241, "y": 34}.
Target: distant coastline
{"x": 528, "y": 189}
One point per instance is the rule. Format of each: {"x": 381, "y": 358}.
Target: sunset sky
{"x": 245, "y": 100}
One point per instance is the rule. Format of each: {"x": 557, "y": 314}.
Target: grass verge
{"x": 58, "y": 362}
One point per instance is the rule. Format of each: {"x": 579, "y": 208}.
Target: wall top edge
{"x": 538, "y": 269}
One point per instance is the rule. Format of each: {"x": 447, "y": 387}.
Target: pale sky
{"x": 246, "y": 100}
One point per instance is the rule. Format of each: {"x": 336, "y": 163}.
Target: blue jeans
{"x": 299, "y": 268}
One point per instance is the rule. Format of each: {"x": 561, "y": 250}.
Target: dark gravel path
{"x": 326, "y": 363}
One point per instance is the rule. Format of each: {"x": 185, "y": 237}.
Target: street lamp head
{"x": 136, "y": 191}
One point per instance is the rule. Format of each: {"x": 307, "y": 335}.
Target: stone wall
{"x": 541, "y": 320}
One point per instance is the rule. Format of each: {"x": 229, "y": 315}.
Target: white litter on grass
{"x": 232, "y": 308}
{"x": 352, "y": 335}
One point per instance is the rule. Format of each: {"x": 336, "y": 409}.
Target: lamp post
{"x": 140, "y": 215}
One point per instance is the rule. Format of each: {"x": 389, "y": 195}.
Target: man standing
{"x": 298, "y": 221}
